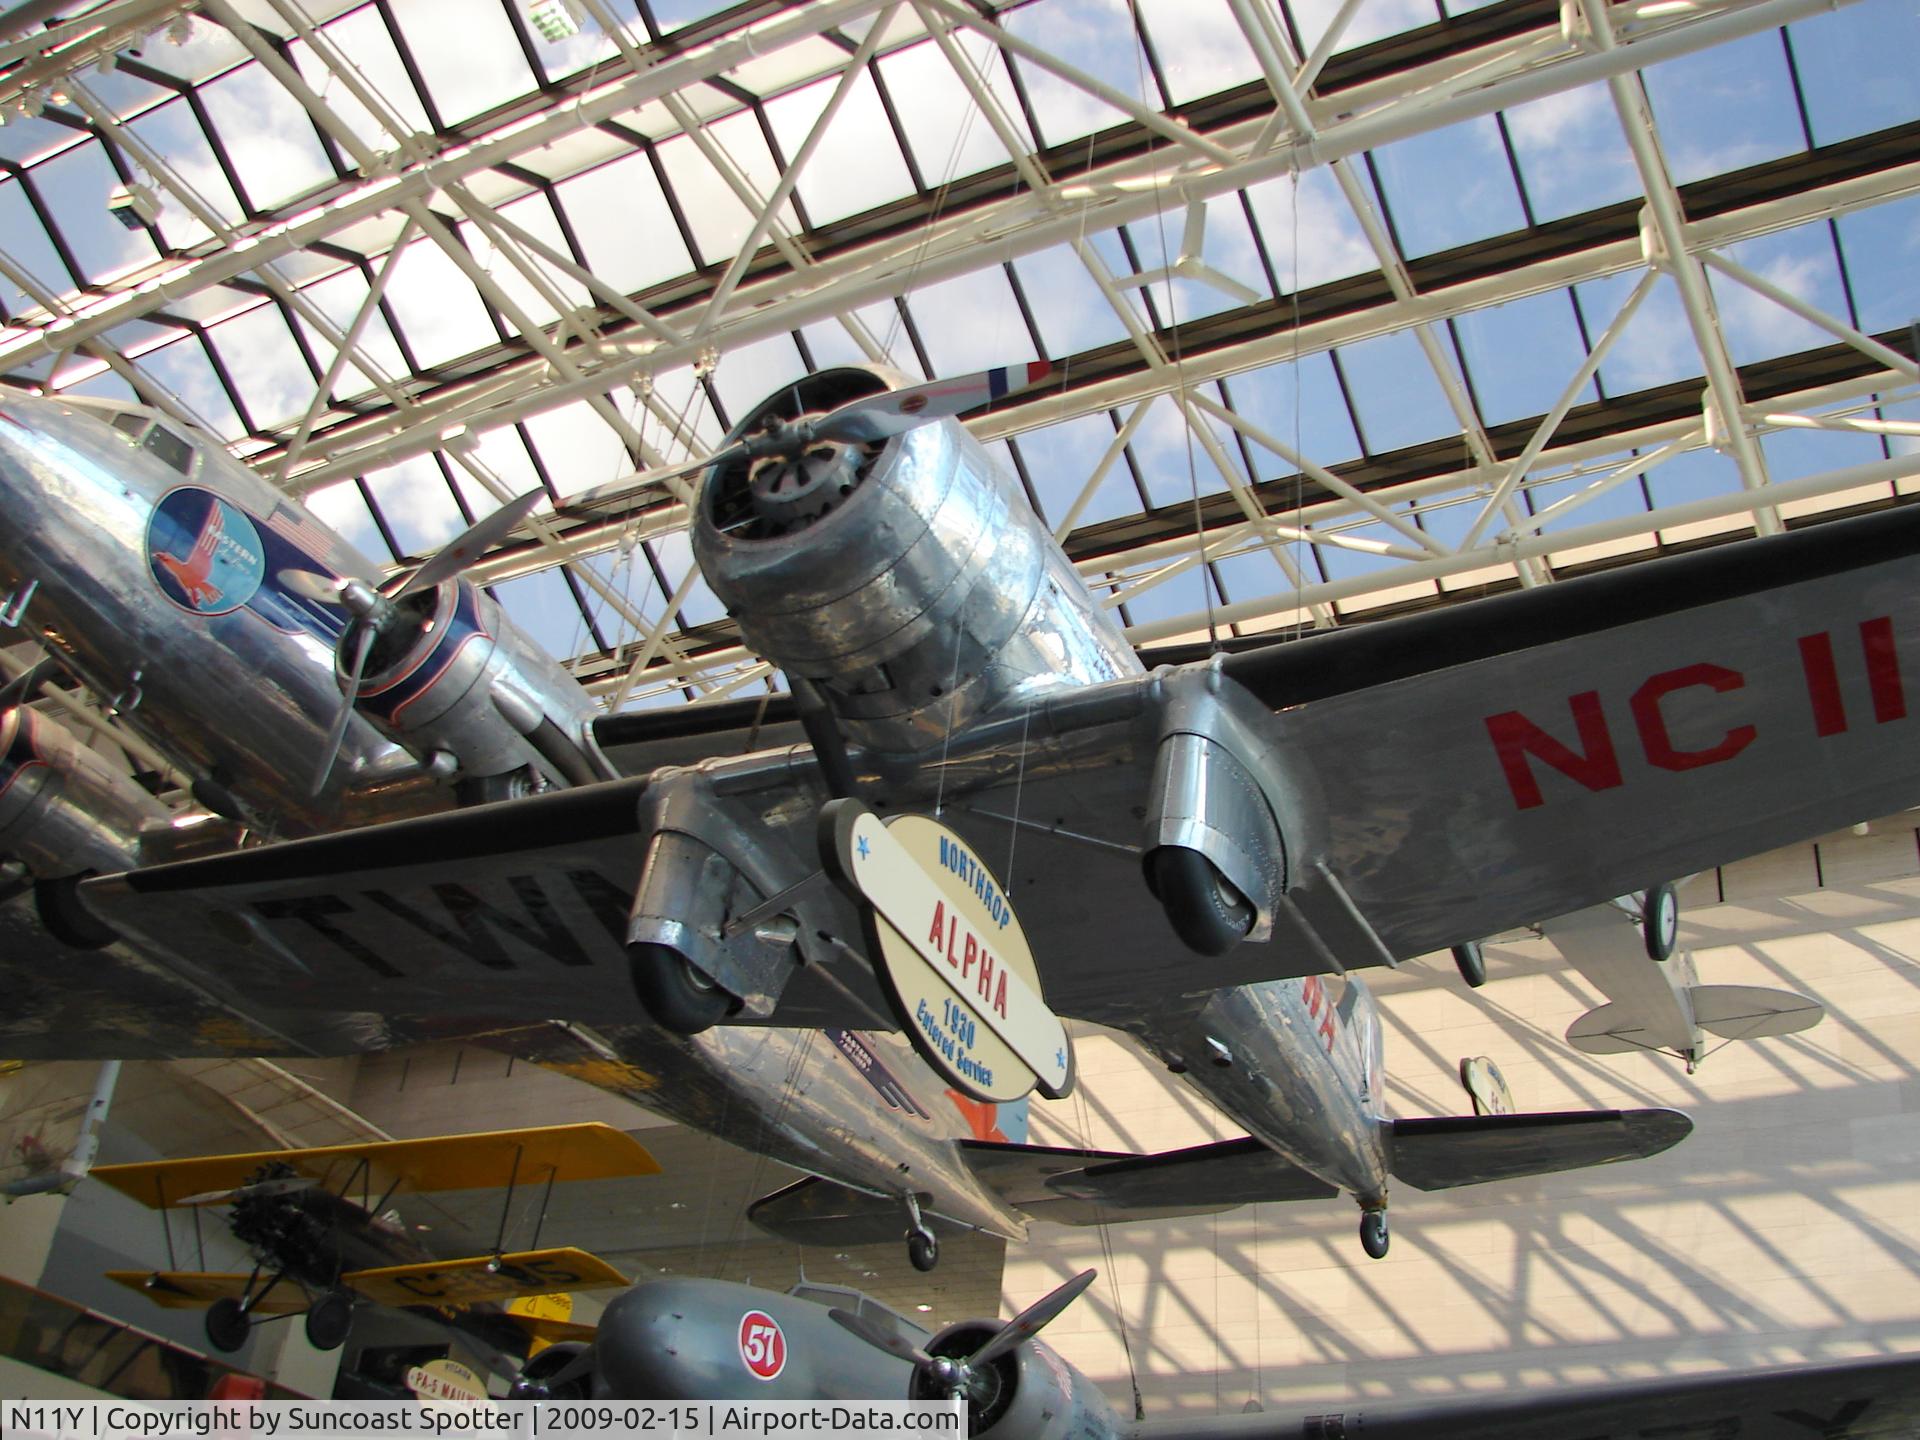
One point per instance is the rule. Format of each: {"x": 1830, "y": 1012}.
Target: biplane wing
{"x": 487, "y": 1160}
{"x": 197, "y": 1289}
{"x": 474, "y": 1278}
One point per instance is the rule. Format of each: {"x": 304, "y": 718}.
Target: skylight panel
{"x": 1398, "y": 396}
{"x": 1174, "y": 464}
{"x": 1881, "y": 247}
{"x": 265, "y": 364}
{"x": 1068, "y": 308}
{"x": 1656, "y": 348}
{"x": 620, "y": 216}
{"x": 438, "y": 310}
{"x": 788, "y": 66}
{"x": 174, "y": 134}
{"x": 1522, "y": 355}
{"x": 1096, "y": 37}
{"x": 28, "y": 248}
{"x": 590, "y": 45}
{"x": 857, "y": 164}
{"x": 417, "y": 505}
{"x": 1310, "y": 232}
{"x": 501, "y": 452}
{"x": 829, "y": 343}
{"x": 1725, "y": 108}
{"x": 1625, "y": 498}
{"x": 1224, "y": 274}
{"x": 26, "y": 140}
{"x": 267, "y": 134}
{"x": 1372, "y": 21}
{"x": 184, "y": 369}
{"x": 1797, "y": 454}
{"x": 74, "y": 187}
{"x": 945, "y": 129}
{"x": 1201, "y": 48}
{"x": 339, "y": 298}
{"x": 206, "y": 50}
{"x": 534, "y": 215}
{"x": 674, "y": 553}
{"x": 365, "y": 43}
{"x": 1856, "y": 68}
{"x": 670, "y": 15}
{"x": 1697, "y": 474}
{"x": 1299, "y": 405}
{"x": 1449, "y": 187}
{"x": 971, "y": 323}
{"x": 542, "y": 605}
{"x": 748, "y": 374}
{"x": 719, "y": 221}
{"x": 342, "y": 508}
{"x": 1801, "y": 262}
{"x": 482, "y": 68}
{"x": 1572, "y": 153}
{"x": 1061, "y": 458}
{"x": 578, "y": 448}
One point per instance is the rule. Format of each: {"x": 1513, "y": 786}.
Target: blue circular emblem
{"x": 205, "y": 554}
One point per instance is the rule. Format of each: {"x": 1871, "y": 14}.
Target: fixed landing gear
{"x": 1373, "y": 1233}
{"x": 675, "y": 994}
{"x": 1472, "y": 963}
{"x": 328, "y": 1320}
{"x": 923, "y": 1246}
{"x": 1207, "y": 913}
{"x": 227, "y": 1324}
{"x": 1660, "y": 921}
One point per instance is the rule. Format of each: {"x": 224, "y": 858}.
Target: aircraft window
{"x": 171, "y": 448}
{"x": 133, "y": 424}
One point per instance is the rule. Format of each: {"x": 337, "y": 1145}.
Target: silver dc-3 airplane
{"x": 684, "y": 1339}
{"x": 1195, "y": 855}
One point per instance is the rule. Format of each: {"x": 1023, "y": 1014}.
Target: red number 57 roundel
{"x": 762, "y": 1347}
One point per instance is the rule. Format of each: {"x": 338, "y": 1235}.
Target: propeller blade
{"x": 893, "y": 412}
{"x": 469, "y": 546}
{"x": 630, "y": 487}
{"x": 881, "y": 1337}
{"x": 337, "y": 732}
{"x": 1030, "y": 1321}
{"x": 321, "y": 589}
{"x": 19, "y": 690}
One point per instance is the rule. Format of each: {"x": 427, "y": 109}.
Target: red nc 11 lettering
{"x": 1593, "y": 760}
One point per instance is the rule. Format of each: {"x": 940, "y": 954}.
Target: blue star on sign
{"x": 863, "y": 847}
{"x": 1060, "y": 1058}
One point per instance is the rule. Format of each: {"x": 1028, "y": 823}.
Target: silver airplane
{"x": 687, "y": 1339}
{"x": 1192, "y": 851}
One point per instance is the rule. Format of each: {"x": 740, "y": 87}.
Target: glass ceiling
{"x": 1361, "y": 306}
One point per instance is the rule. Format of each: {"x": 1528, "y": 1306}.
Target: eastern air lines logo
{"x": 205, "y": 554}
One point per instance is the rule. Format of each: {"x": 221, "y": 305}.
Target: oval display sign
{"x": 446, "y": 1380}
{"x": 763, "y": 1348}
{"x": 1487, "y": 1086}
{"x": 951, "y": 954}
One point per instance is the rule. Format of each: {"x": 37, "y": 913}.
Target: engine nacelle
{"x": 1031, "y": 1393}
{"x": 66, "y": 813}
{"x": 458, "y": 678}
{"x": 908, "y": 578}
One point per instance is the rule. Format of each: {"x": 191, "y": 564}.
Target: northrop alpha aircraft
{"x": 1194, "y": 855}
{"x": 683, "y": 1339}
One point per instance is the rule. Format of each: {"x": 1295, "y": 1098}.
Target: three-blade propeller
{"x": 376, "y": 609}
{"x": 951, "y": 1376}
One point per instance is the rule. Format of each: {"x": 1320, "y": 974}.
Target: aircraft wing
{"x": 474, "y": 1278}
{"x": 1437, "y": 778}
{"x": 1441, "y": 1152}
{"x": 1872, "y": 1399}
{"x": 197, "y": 1289}
{"x": 498, "y": 1158}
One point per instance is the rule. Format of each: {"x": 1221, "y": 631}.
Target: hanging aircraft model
{"x": 1539, "y": 751}
{"x": 687, "y": 1339}
{"x": 317, "y": 1224}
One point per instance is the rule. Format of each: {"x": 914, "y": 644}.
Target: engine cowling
{"x": 1029, "y": 1392}
{"x": 66, "y": 813}
{"x": 457, "y": 678}
{"x": 908, "y": 578}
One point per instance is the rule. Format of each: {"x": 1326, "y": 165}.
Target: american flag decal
{"x": 304, "y": 531}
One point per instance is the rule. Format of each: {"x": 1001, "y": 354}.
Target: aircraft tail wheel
{"x": 1208, "y": 914}
{"x": 923, "y": 1249}
{"x": 227, "y": 1324}
{"x": 1660, "y": 921}
{"x": 675, "y": 994}
{"x": 1472, "y": 963}
{"x": 1373, "y": 1233}
{"x": 328, "y": 1320}
{"x": 66, "y": 915}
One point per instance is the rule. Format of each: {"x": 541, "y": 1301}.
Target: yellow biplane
{"x": 313, "y": 1221}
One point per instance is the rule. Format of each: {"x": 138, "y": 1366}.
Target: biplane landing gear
{"x": 1373, "y": 1233}
{"x": 227, "y": 1324}
{"x": 328, "y": 1320}
{"x": 923, "y": 1246}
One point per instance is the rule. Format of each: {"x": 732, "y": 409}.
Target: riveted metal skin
{"x": 947, "y": 602}
{"x": 63, "y": 809}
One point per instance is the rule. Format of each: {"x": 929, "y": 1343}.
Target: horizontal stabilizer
{"x": 1195, "y": 1181}
{"x": 1748, "y": 1012}
{"x": 1610, "y": 1030}
{"x": 443, "y": 1162}
{"x": 475, "y": 1278}
{"x": 1445, "y": 1151}
{"x": 197, "y": 1289}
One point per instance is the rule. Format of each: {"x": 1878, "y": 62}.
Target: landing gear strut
{"x": 923, "y": 1247}
{"x": 1373, "y": 1233}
